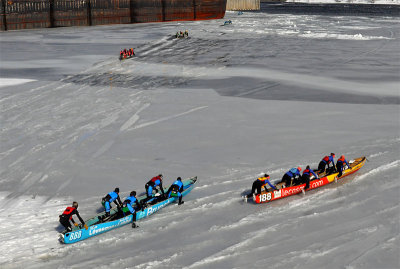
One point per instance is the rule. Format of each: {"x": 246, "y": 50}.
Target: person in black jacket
{"x": 66, "y": 217}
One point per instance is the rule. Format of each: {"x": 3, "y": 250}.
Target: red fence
{"x": 25, "y": 14}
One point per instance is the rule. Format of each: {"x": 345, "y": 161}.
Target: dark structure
{"x": 26, "y": 14}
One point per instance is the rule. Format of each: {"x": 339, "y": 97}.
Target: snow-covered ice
{"x": 265, "y": 94}
{"x": 13, "y": 81}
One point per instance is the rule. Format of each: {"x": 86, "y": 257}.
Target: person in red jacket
{"x": 306, "y": 177}
{"x": 325, "y": 162}
{"x": 152, "y": 184}
{"x": 66, "y": 217}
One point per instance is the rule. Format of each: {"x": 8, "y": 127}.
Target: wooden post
{"x": 194, "y": 10}
{"x": 131, "y": 10}
{"x": 51, "y": 14}
{"x": 89, "y": 13}
{"x": 3, "y": 12}
{"x": 163, "y": 9}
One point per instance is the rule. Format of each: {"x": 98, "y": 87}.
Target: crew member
{"x": 176, "y": 189}
{"x": 306, "y": 176}
{"x": 128, "y": 204}
{"x": 260, "y": 182}
{"x": 339, "y": 165}
{"x": 291, "y": 175}
{"x": 109, "y": 198}
{"x": 325, "y": 162}
{"x": 66, "y": 217}
{"x": 152, "y": 184}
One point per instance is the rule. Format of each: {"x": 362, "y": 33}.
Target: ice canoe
{"x": 96, "y": 227}
{"x": 266, "y": 197}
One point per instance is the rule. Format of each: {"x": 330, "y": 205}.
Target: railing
{"x": 25, "y": 14}
{"x": 243, "y": 5}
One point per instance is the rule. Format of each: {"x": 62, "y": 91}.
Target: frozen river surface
{"x": 265, "y": 94}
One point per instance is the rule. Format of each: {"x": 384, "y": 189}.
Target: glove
{"x": 76, "y": 224}
{"x": 86, "y": 227}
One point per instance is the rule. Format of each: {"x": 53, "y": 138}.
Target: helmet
{"x": 75, "y": 204}
{"x": 266, "y": 175}
{"x": 133, "y": 193}
{"x": 179, "y": 178}
{"x": 116, "y": 190}
{"x": 333, "y": 154}
{"x": 308, "y": 167}
{"x": 299, "y": 168}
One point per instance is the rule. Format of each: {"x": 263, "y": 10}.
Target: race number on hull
{"x": 274, "y": 195}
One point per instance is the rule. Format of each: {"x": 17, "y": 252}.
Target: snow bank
{"x": 13, "y": 81}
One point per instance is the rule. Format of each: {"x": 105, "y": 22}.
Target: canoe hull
{"x": 96, "y": 228}
{"x": 266, "y": 197}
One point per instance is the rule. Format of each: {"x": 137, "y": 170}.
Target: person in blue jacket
{"x": 109, "y": 198}
{"x": 260, "y": 182}
{"x": 306, "y": 176}
{"x": 129, "y": 206}
{"x": 291, "y": 175}
{"x": 176, "y": 189}
{"x": 325, "y": 162}
{"x": 340, "y": 164}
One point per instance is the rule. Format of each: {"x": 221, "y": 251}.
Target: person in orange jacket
{"x": 260, "y": 182}
{"x": 340, "y": 163}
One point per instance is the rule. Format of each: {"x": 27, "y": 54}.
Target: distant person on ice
{"x": 325, "y": 162}
{"x": 129, "y": 206}
{"x": 339, "y": 165}
{"x": 176, "y": 190}
{"x": 260, "y": 182}
{"x": 109, "y": 198}
{"x": 291, "y": 175}
{"x": 66, "y": 217}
